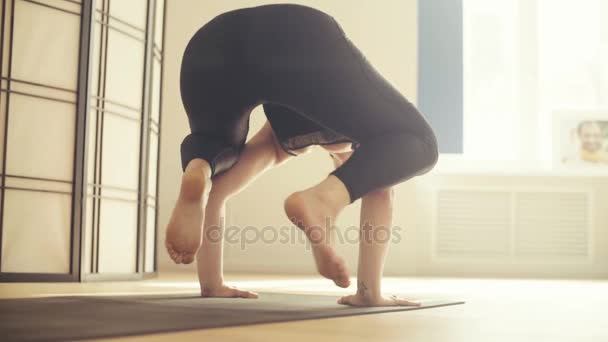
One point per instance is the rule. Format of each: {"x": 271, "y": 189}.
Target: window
{"x": 523, "y": 61}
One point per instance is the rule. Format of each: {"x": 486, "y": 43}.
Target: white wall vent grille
{"x": 550, "y": 225}
{"x": 473, "y": 223}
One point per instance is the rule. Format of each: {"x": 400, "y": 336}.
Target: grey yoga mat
{"x": 82, "y": 317}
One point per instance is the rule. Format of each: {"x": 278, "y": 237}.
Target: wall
{"x": 386, "y": 31}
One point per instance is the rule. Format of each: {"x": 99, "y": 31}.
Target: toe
{"x": 175, "y": 256}
{"x": 343, "y": 283}
{"x": 346, "y": 300}
{"x": 172, "y": 254}
{"x": 346, "y": 281}
{"x": 187, "y": 258}
{"x": 343, "y": 278}
{"x": 170, "y": 250}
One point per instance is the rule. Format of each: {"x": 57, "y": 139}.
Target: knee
{"x": 432, "y": 155}
{"x": 424, "y": 155}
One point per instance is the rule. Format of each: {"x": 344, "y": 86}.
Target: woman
{"x": 316, "y": 88}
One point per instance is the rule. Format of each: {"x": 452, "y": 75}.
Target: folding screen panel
{"x": 153, "y": 131}
{"x": 79, "y": 137}
{"x": 38, "y": 112}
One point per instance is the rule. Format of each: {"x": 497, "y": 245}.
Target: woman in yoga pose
{"x": 316, "y": 88}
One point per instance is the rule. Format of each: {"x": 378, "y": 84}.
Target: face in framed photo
{"x": 582, "y": 140}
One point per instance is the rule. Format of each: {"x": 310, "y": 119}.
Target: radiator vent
{"x": 473, "y": 223}
{"x": 512, "y": 224}
{"x": 551, "y": 224}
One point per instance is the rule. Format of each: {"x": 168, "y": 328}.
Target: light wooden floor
{"x": 496, "y": 310}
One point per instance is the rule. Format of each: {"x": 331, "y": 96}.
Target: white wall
{"x": 386, "y": 32}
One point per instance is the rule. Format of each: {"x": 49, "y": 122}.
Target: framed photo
{"x": 580, "y": 139}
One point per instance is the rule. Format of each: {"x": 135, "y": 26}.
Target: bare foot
{"x": 309, "y": 212}
{"x": 184, "y": 231}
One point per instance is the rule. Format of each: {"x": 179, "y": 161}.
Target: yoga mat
{"x": 82, "y": 317}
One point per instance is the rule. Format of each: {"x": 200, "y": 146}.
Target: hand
{"x": 360, "y": 300}
{"x": 224, "y": 291}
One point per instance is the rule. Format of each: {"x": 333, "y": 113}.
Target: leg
{"x": 218, "y": 110}
{"x": 296, "y": 134}
{"x": 338, "y": 89}
{"x": 376, "y": 221}
{"x": 203, "y": 156}
{"x": 260, "y": 154}
{"x": 310, "y": 209}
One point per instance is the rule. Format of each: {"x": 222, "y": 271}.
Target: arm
{"x": 376, "y": 221}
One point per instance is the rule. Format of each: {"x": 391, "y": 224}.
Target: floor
{"x": 495, "y": 309}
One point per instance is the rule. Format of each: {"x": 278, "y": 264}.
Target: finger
{"x": 247, "y": 294}
{"x": 252, "y": 295}
{"x": 403, "y": 302}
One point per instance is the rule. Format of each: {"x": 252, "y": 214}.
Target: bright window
{"x": 525, "y": 60}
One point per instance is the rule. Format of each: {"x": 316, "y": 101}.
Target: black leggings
{"x": 316, "y": 87}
